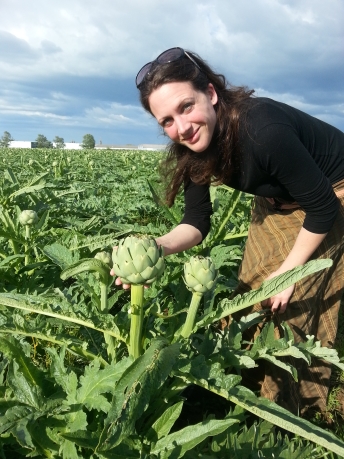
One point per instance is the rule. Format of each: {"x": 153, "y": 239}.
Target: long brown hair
{"x": 216, "y": 163}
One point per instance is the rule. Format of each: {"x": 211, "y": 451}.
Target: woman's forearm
{"x": 182, "y": 237}
{"x": 305, "y": 245}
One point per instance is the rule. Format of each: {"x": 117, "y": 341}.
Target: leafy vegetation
{"x": 70, "y": 387}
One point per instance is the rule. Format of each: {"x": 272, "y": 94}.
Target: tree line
{"x": 88, "y": 141}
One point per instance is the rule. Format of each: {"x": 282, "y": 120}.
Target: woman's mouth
{"x": 192, "y": 138}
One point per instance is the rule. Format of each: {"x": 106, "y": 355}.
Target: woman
{"x": 293, "y": 164}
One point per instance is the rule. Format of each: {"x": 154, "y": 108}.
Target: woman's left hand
{"x": 279, "y": 302}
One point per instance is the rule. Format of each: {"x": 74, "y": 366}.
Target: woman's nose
{"x": 183, "y": 126}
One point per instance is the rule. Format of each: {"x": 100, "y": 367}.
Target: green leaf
{"x": 88, "y": 265}
{"x": 186, "y": 439}
{"x": 330, "y": 355}
{"x": 286, "y": 366}
{"x": 164, "y": 424}
{"x": 102, "y": 322}
{"x": 134, "y": 390}
{"x": 266, "y": 290}
{"x": 59, "y": 255}
{"x": 29, "y": 372}
{"x": 95, "y": 382}
{"x": 281, "y": 417}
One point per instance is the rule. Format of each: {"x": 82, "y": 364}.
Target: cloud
{"x": 71, "y": 63}
{"x": 15, "y": 50}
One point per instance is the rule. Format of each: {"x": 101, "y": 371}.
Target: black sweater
{"x": 284, "y": 153}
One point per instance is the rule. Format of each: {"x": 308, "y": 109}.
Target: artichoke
{"x": 28, "y": 217}
{"x": 200, "y": 274}
{"x": 105, "y": 257}
{"x": 138, "y": 261}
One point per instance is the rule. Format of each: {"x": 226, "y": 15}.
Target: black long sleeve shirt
{"x": 284, "y": 153}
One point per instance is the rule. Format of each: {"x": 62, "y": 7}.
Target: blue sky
{"x": 67, "y": 68}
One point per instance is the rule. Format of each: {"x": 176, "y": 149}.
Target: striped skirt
{"x": 313, "y": 309}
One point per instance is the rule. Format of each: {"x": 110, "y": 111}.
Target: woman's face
{"x": 186, "y": 115}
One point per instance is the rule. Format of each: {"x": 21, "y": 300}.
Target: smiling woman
{"x": 293, "y": 164}
{"x": 186, "y": 115}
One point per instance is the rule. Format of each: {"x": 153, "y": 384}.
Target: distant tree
{"x": 59, "y": 142}
{"x": 6, "y": 139}
{"x": 43, "y": 142}
{"x": 88, "y": 141}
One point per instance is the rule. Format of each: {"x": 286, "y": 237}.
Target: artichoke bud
{"x": 105, "y": 257}
{"x": 138, "y": 260}
{"x": 28, "y": 217}
{"x": 200, "y": 274}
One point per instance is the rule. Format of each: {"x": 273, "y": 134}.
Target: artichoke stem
{"x": 191, "y": 315}
{"x": 103, "y": 297}
{"x": 27, "y": 238}
{"x": 136, "y": 325}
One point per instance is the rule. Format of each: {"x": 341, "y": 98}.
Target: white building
{"x": 22, "y": 144}
{"x": 151, "y": 147}
{"x": 102, "y": 146}
{"x": 71, "y": 146}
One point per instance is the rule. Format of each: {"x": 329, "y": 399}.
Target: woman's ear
{"x": 212, "y": 94}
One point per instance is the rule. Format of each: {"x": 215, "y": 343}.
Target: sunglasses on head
{"x": 170, "y": 55}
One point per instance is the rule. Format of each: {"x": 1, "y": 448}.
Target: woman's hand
{"x": 278, "y": 303}
{"x": 118, "y": 280}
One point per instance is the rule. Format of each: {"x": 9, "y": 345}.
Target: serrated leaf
{"x": 134, "y": 390}
{"x": 95, "y": 382}
{"x": 330, "y": 355}
{"x": 48, "y": 306}
{"x": 291, "y": 351}
{"x": 266, "y": 290}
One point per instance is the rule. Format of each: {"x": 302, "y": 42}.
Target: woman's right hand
{"x": 118, "y": 281}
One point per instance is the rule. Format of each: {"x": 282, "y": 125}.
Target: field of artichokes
{"x": 91, "y": 371}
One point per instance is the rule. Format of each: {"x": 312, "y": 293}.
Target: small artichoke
{"x": 28, "y": 217}
{"x": 138, "y": 260}
{"x": 105, "y": 257}
{"x": 200, "y": 274}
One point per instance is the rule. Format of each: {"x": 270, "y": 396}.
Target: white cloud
{"x": 291, "y": 49}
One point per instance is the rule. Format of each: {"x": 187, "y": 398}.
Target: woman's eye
{"x": 166, "y": 123}
{"x": 187, "y": 107}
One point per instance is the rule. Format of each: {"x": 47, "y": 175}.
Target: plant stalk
{"x": 191, "y": 315}
{"x": 103, "y": 297}
{"x": 109, "y": 340}
{"x": 136, "y": 325}
{"x": 27, "y": 245}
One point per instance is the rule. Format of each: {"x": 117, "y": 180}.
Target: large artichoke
{"x": 199, "y": 274}
{"x": 137, "y": 260}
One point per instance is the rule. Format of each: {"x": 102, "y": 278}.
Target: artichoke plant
{"x": 105, "y": 257}
{"x": 200, "y": 274}
{"x": 200, "y": 277}
{"x": 137, "y": 261}
{"x": 27, "y": 218}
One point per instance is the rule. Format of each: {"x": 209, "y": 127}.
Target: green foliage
{"x": 59, "y": 142}
{"x": 43, "y": 142}
{"x": 68, "y": 388}
{"x": 88, "y": 142}
{"x": 5, "y": 140}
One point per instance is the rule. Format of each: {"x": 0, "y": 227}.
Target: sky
{"x": 68, "y": 67}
